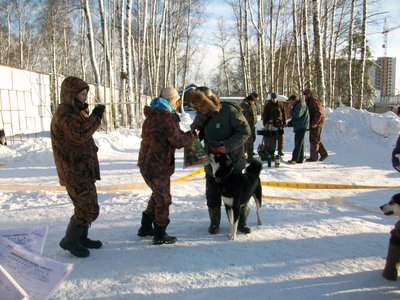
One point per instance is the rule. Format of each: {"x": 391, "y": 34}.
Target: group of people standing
{"x": 223, "y": 127}
{"x": 307, "y": 115}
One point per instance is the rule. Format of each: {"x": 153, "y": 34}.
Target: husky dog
{"x": 3, "y": 140}
{"x": 237, "y": 189}
{"x": 393, "y": 256}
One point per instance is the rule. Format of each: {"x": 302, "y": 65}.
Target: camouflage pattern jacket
{"x": 74, "y": 150}
{"x": 161, "y": 136}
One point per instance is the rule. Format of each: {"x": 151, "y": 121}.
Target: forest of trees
{"x": 139, "y": 46}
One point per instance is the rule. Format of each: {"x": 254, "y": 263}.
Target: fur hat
{"x": 197, "y": 97}
{"x": 273, "y": 96}
{"x": 170, "y": 94}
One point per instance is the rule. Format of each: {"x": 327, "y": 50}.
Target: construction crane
{"x": 385, "y": 33}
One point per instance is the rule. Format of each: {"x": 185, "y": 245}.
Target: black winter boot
{"x": 71, "y": 240}
{"x": 88, "y": 243}
{"x": 392, "y": 259}
{"x": 161, "y": 237}
{"x": 215, "y": 218}
{"x": 244, "y": 213}
{"x": 147, "y": 226}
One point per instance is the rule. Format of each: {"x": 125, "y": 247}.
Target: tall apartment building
{"x": 385, "y": 76}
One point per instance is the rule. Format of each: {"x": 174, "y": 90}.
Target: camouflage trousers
{"x": 84, "y": 198}
{"x": 160, "y": 200}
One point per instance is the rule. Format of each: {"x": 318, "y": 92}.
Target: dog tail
{"x": 254, "y": 167}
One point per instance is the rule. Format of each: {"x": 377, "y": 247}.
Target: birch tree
{"x": 92, "y": 48}
{"x": 350, "y": 52}
{"x": 298, "y": 55}
{"x": 319, "y": 67}
{"x": 307, "y": 63}
{"x": 363, "y": 53}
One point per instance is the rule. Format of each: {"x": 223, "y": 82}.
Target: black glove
{"x": 99, "y": 110}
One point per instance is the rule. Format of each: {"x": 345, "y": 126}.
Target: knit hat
{"x": 170, "y": 94}
{"x": 161, "y": 103}
{"x": 273, "y": 96}
{"x": 292, "y": 97}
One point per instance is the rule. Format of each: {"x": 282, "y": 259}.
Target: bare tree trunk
{"x": 363, "y": 52}
{"x": 129, "y": 62}
{"x": 107, "y": 56}
{"x": 19, "y": 9}
{"x": 54, "y": 85}
{"x": 319, "y": 67}
{"x": 350, "y": 52}
{"x": 65, "y": 38}
{"x": 296, "y": 47}
{"x": 187, "y": 50}
{"x": 307, "y": 59}
{"x": 124, "y": 72}
{"x": 242, "y": 41}
{"x": 222, "y": 42}
{"x": 141, "y": 62}
{"x": 335, "y": 44}
{"x": 82, "y": 45}
{"x": 92, "y": 48}
{"x": 330, "y": 62}
{"x": 113, "y": 107}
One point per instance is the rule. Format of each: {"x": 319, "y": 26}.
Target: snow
{"x": 313, "y": 244}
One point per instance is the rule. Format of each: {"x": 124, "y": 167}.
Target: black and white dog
{"x": 392, "y": 207}
{"x": 237, "y": 189}
{"x": 390, "y": 271}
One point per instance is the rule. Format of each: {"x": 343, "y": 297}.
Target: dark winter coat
{"x": 395, "y": 160}
{"x": 161, "y": 136}
{"x": 249, "y": 111}
{"x": 275, "y": 112}
{"x": 317, "y": 113}
{"x": 74, "y": 150}
{"x": 300, "y": 118}
{"x": 228, "y": 125}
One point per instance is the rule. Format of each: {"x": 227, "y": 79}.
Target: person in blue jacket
{"x": 300, "y": 121}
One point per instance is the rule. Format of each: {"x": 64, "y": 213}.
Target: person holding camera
{"x": 77, "y": 164}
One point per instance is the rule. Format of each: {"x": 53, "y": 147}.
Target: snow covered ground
{"x": 324, "y": 244}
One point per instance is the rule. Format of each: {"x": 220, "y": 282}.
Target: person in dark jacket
{"x": 396, "y": 155}
{"x": 274, "y": 119}
{"x": 249, "y": 110}
{"x": 75, "y": 156}
{"x": 300, "y": 120}
{"x": 161, "y": 136}
{"x": 317, "y": 121}
{"x": 224, "y": 130}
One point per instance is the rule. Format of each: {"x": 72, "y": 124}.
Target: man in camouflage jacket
{"x": 75, "y": 157}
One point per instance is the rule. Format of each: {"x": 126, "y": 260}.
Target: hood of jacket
{"x": 71, "y": 87}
